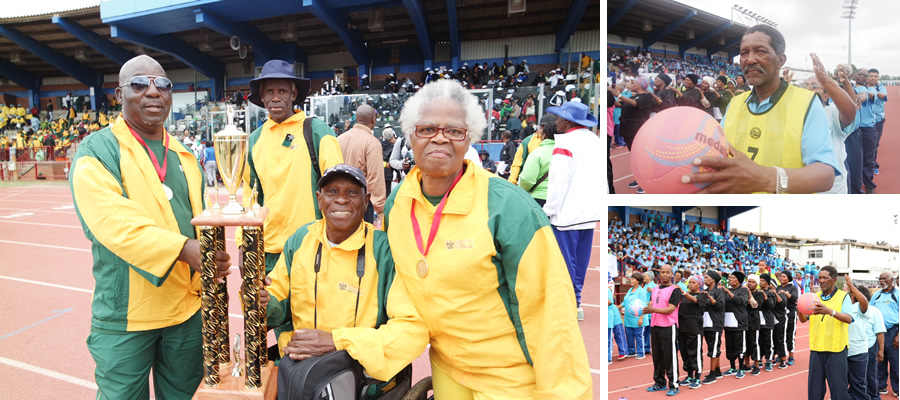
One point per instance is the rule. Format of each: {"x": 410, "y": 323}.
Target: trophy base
{"x": 233, "y": 387}
{"x": 213, "y": 217}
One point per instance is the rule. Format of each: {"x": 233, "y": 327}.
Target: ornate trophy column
{"x": 223, "y": 378}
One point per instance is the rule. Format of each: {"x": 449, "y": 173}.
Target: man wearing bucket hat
{"x": 284, "y": 159}
{"x": 572, "y": 193}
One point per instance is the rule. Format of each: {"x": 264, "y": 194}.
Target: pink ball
{"x": 807, "y": 303}
{"x": 667, "y": 144}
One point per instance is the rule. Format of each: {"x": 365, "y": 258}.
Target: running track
{"x": 888, "y": 180}
{"x": 46, "y": 282}
{"x": 630, "y": 378}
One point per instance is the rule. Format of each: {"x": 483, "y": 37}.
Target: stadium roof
{"x": 673, "y": 22}
{"x": 56, "y": 51}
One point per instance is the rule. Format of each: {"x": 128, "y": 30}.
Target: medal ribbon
{"x": 435, "y": 223}
{"x": 160, "y": 171}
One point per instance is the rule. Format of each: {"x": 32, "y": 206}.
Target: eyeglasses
{"x": 430, "y": 131}
{"x": 140, "y": 84}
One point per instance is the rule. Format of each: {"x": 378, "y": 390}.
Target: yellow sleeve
{"x": 122, "y": 225}
{"x": 547, "y": 310}
{"x": 329, "y": 153}
{"x": 279, "y": 291}
{"x": 516, "y": 166}
{"x": 385, "y": 351}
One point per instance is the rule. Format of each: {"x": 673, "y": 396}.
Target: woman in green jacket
{"x": 533, "y": 178}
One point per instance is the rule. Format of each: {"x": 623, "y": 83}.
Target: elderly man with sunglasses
{"x": 136, "y": 190}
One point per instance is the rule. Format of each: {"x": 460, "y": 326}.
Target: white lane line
{"x": 596, "y": 371}
{"x": 590, "y": 305}
{"x": 620, "y": 155}
{"x": 49, "y": 373}
{"x": 45, "y": 245}
{"x": 10, "y": 195}
{"x": 762, "y": 383}
{"x": 38, "y": 210}
{"x": 43, "y": 224}
{"x": 47, "y": 284}
{"x": 36, "y": 201}
{"x": 624, "y": 177}
{"x": 75, "y": 289}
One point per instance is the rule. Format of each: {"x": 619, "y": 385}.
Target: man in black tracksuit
{"x": 690, "y": 330}
{"x": 736, "y": 322}
{"x": 784, "y": 333}
{"x": 713, "y": 323}
{"x": 767, "y": 323}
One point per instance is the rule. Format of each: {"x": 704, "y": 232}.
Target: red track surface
{"x": 46, "y": 282}
{"x": 630, "y": 378}
{"x": 888, "y": 180}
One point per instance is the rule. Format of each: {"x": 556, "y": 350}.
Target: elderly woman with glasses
{"x": 480, "y": 262}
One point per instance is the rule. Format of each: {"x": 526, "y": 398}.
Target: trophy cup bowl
{"x": 231, "y": 154}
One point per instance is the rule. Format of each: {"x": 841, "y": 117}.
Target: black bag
{"x": 334, "y": 376}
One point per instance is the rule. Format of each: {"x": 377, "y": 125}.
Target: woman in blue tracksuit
{"x": 634, "y": 326}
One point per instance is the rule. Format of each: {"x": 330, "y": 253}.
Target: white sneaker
{"x": 580, "y": 314}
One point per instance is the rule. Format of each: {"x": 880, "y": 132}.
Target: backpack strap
{"x": 539, "y": 181}
{"x": 313, "y": 156}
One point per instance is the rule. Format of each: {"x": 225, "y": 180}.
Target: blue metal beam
{"x": 662, "y": 33}
{"x": 337, "y": 21}
{"x": 702, "y": 38}
{"x": 618, "y": 13}
{"x": 732, "y": 42}
{"x": 416, "y": 11}
{"x": 95, "y": 41}
{"x": 576, "y": 11}
{"x": 18, "y": 75}
{"x": 69, "y": 66}
{"x": 262, "y": 46}
{"x": 454, "y": 34}
{"x": 176, "y": 47}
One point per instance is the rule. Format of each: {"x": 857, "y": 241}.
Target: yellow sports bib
{"x": 771, "y": 138}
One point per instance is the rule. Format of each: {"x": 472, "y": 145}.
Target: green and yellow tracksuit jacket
{"x": 287, "y": 180}
{"x": 497, "y": 299}
{"x": 528, "y": 145}
{"x": 137, "y": 234}
{"x": 383, "y": 301}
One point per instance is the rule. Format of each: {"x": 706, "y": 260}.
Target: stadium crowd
{"x": 694, "y": 284}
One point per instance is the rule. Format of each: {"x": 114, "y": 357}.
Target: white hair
{"x": 444, "y": 90}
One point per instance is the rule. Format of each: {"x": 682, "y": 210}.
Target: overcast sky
{"x": 866, "y": 223}
{"x": 817, "y": 26}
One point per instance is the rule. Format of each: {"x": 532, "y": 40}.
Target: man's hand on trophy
{"x": 191, "y": 255}
{"x": 264, "y": 294}
{"x": 308, "y": 343}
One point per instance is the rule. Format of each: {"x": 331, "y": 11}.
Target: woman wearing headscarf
{"x": 768, "y": 318}
{"x": 754, "y": 310}
{"x": 690, "y": 329}
{"x": 481, "y": 264}
{"x": 635, "y": 111}
{"x": 713, "y": 323}
{"x": 741, "y": 85}
{"x": 736, "y": 322}
{"x": 690, "y": 96}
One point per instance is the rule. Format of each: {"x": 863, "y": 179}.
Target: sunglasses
{"x": 140, "y": 84}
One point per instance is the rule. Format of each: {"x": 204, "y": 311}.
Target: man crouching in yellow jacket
{"x": 335, "y": 277}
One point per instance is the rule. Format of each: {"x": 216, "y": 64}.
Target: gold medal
{"x": 422, "y": 268}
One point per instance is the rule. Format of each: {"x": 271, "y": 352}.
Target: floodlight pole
{"x": 849, "y": 13}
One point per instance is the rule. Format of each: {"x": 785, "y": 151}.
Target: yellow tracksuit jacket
{"x": 497, "y": 299}
{"x": 134, "y": 234}
{"x": 383, "y": 301}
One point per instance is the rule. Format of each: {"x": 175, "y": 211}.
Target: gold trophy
{"x": 258, "y": 380}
